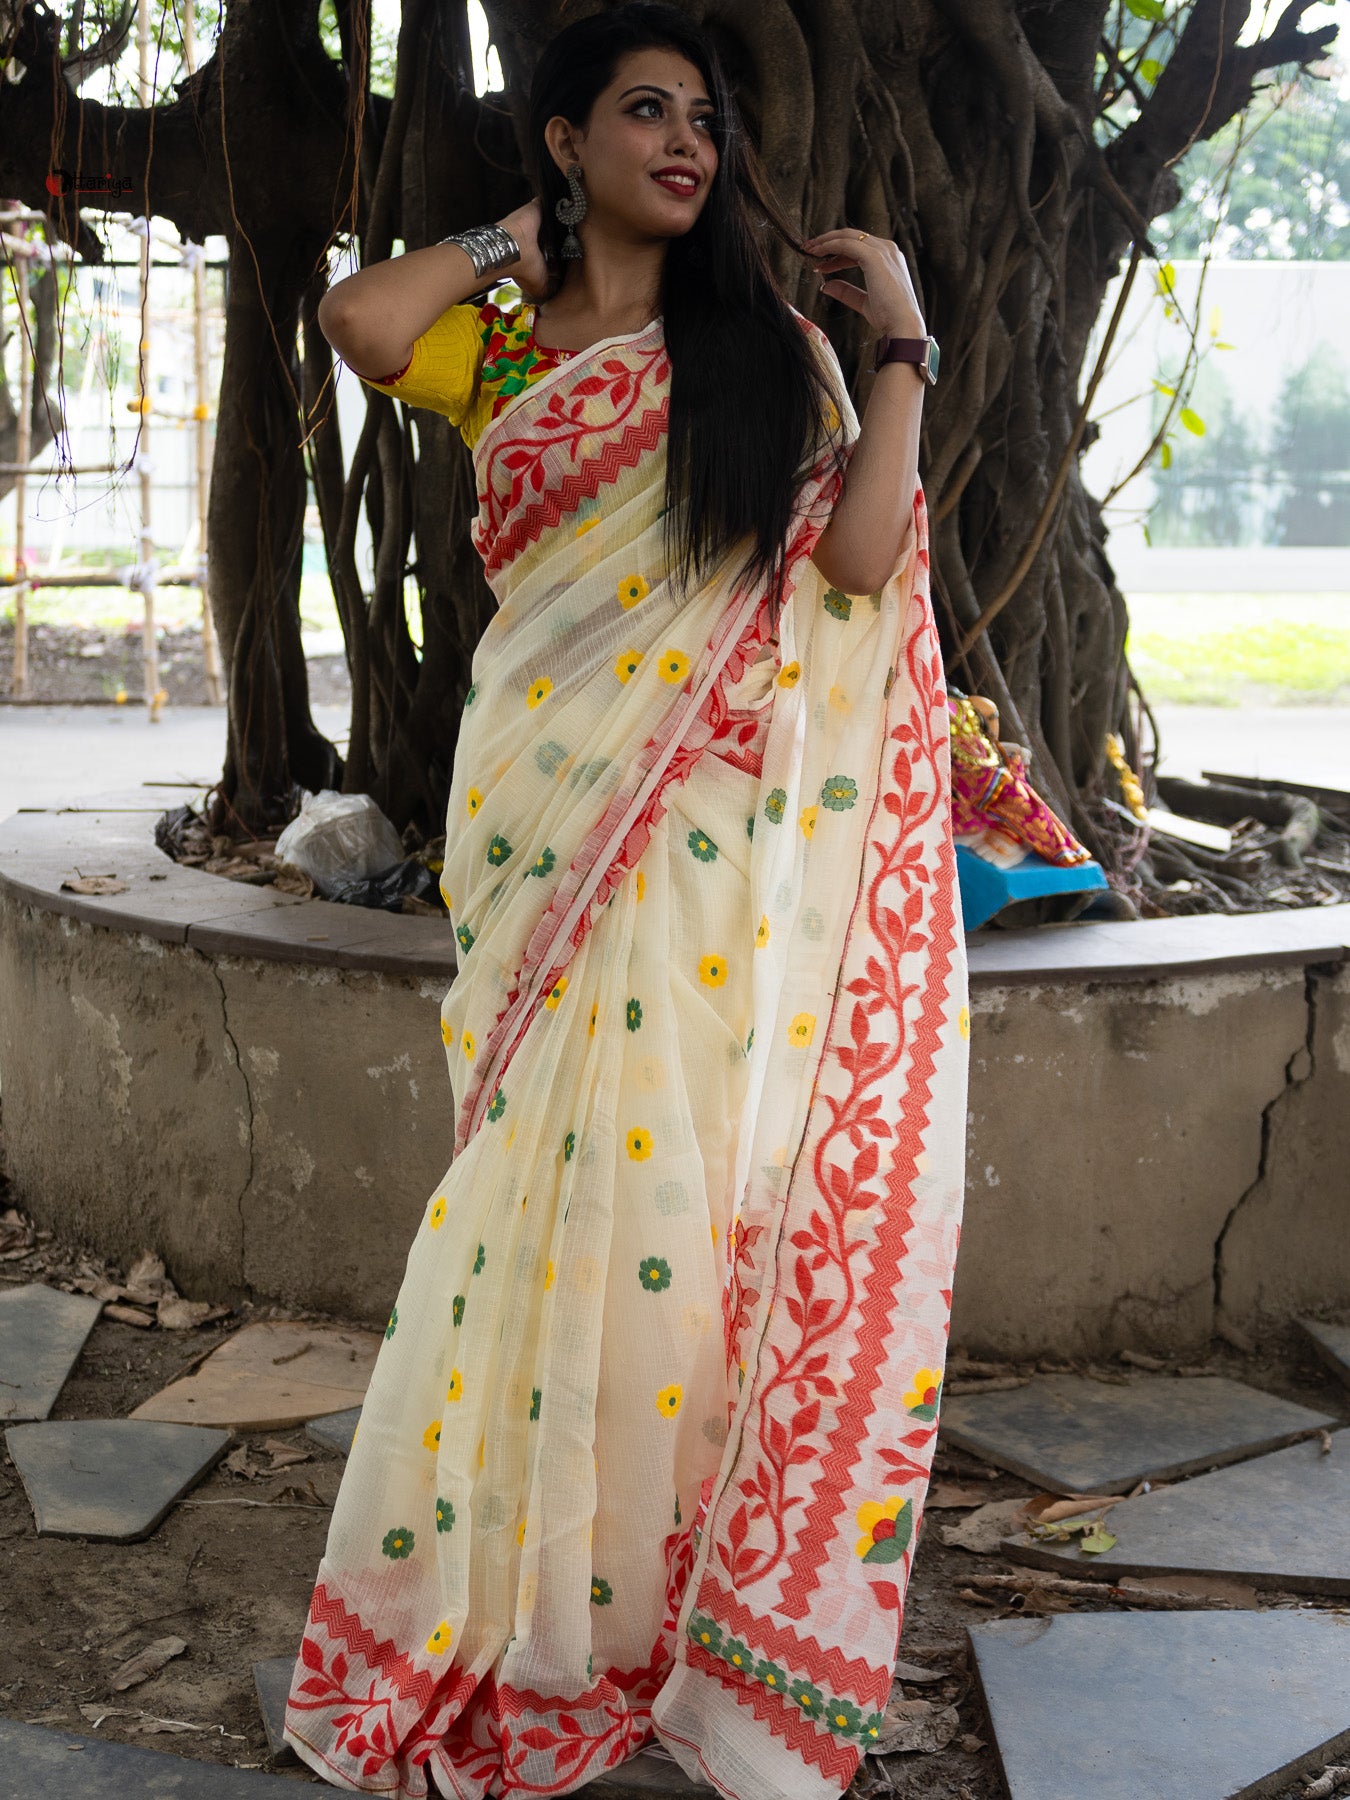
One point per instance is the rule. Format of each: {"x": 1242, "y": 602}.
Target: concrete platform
{"x": 276, "y": 1066}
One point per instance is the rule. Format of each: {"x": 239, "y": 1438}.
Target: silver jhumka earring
{"x": 572, "y": 212}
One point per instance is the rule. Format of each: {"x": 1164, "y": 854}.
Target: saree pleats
{"x": 648, "y": 1438}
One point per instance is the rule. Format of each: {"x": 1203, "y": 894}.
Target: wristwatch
{"x": 920, "y": 350}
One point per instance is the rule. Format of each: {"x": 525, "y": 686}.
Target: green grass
{"x": 1236, "y": 649}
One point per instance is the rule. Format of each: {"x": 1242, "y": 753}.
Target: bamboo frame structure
{"x": 146, "y": 575}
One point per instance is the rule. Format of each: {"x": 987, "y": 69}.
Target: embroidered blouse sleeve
{"x": 443, "y": 371}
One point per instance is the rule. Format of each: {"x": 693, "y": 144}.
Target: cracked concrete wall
{"x": 1286, "y": 1248}
{"x": 1113, "y": 1126}
{"x": 273, "y": 1129}
{"x": 1136, "y": 1148}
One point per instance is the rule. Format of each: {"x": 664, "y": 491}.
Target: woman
{"x": 649, "y": 1434}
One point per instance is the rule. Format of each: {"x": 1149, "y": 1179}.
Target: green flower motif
{"x": 654, "y": 1274}
{"x": 465, "y": 937}
{"x": 772, "y": 1676}
{"x": 750, "y": 827}
{"x": 569, "y": 1145}
{"x": 550, "y": 757}
{"x": 702, "y": 846}
{"x": 678, "y": 1519}
{"x": 480, "y": 1259}
{"x": 398, "y": 1543}
{"x": 737, "y": 1654}
{"x": 498, "y": 1106}
{"x": 749, "y": 1042}
{"x": 775, "y": 806}
{"x": 392, "y": 1326}
{"x": 837, "y": 604}
{"x": 634, "y": 1019}
{"x": 543, "y": 863}
{"x": 498, "y": 851}
{"x": 808, "y": 1697}
{"x": 458, "y": 1309}
{"x": 472, "y": 695}
{"x": 870, "y": 1729}
{"x": 839, "y": 793}
{"x": 536, "y": 1398}
{"x": 601, "y": 1592}
{"x": 842, "y": 1717}
{"x": 705, "y": 1632}
{"x": 445, "y": 1515}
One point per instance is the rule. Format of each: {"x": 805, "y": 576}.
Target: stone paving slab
{"x": 269, "y": 1376}
{"x": 42, "y": 1331}
{"x": 336, "y": 1429}
{"x": 1164, "y": 1706}
{"x": 1281, "y": 1520}
{"x": 1075, "y": 1435}
{"x": 38, "y": 1762}
{"x": 113, "y": 1479}
{"x": 649, "y": 1772}
{"x": 1332, "y": 1344}
{"x": 272, "y": 1683}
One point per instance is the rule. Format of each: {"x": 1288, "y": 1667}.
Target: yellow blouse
{"x": 471, "y": 363}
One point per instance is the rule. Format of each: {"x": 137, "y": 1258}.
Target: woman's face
{"x": 655, "y": 115}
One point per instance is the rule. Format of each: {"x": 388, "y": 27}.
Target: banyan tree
{"x": 1018, "y": 151}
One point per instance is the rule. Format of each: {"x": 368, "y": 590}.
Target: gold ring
{"x": 862, "y": 236}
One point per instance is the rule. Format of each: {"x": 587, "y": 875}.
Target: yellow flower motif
{"x": 455, "y": 1391}
{"x": 468, "y": 1045}
{"x": 808, "y": 821}
{"x": 473, "y": 800}
{"x": 669, "y": 1399}
{"x": 923, "y": 1391}
{"x": 762, "y": 935}
{"x": 482, "y": 1449}
{"x": 790, "y": 674}
{"x": 586, "y": 525}
{"x": 549, "y": 1274}
{"x": 674, "y": 665}
{"x": 802, "y": 1030}
{"x": 831, "y": 416}
{"x": 556, "y": 993}
{"x": 632, "y": 589}
{"x": 839, "y": 700}
{"x": 594, "y": 1011}
{"x": 627, "y": 664}
{"x": 539, "y": 691}
{"x": 439, "y": 1641}
{"x": 445, "y": 895}
{"x": 639, "y": 1144}
{"x": 712, "y": 970}
{"x": 520, "y": 1533}
{"x": 714, "y": 1236}
{"x": 431, "y": 1437}
{"x": 641, "y": 884}
{"x": 446, "y": 1032}
{"x": 437, "y": 1218}
{"x": 870, "y": 1515}
{"x": 963, "y": 1021}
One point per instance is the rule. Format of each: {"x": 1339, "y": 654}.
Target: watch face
{"x": 931, "y": 363}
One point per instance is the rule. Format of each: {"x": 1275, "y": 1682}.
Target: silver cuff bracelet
{"x": 489, "y": 247}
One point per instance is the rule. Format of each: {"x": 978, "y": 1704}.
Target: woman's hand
{"x": 886, "y": 299}
{"x": 529, "y": 271}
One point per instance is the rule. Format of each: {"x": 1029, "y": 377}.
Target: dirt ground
{"x": 231, "y": 1568}
{"x": 68, "y": 664}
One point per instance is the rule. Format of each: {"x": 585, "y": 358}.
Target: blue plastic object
{"x": 986, "y": 888}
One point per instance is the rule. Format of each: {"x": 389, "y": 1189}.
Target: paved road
{"x": 59, "y": 755}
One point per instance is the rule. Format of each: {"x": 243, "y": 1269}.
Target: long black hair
{"x": 750, "y": 405}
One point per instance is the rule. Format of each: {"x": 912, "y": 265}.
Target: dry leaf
{"x": 908, "y": 1671}
{"x": 237, "y": 1462}
{"x": 308, "y": 1495}
{"x": 916, "y": 1725}
{"x": 147, "y": 1662}
{"x": 175, "y": 1314}
{"x": 283, "y": 1455}
{"x": 94, "y": 884}
{"x": 146, "y": 1280}
{"x": 944, "y": 1494}
{"x": 984, "y": 1530}
{"x": 1046, "y": 1509}
{"x": 128, "y": 1315}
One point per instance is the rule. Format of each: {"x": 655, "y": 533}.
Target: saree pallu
{"x": 648, "y": 1438}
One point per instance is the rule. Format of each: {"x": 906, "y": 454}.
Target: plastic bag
{"x": 338, "y": 838}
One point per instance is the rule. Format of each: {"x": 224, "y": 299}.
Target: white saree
{"x": 647, "y": 1442}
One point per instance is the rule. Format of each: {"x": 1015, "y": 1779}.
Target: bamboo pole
{"x": 145, "y": 573}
